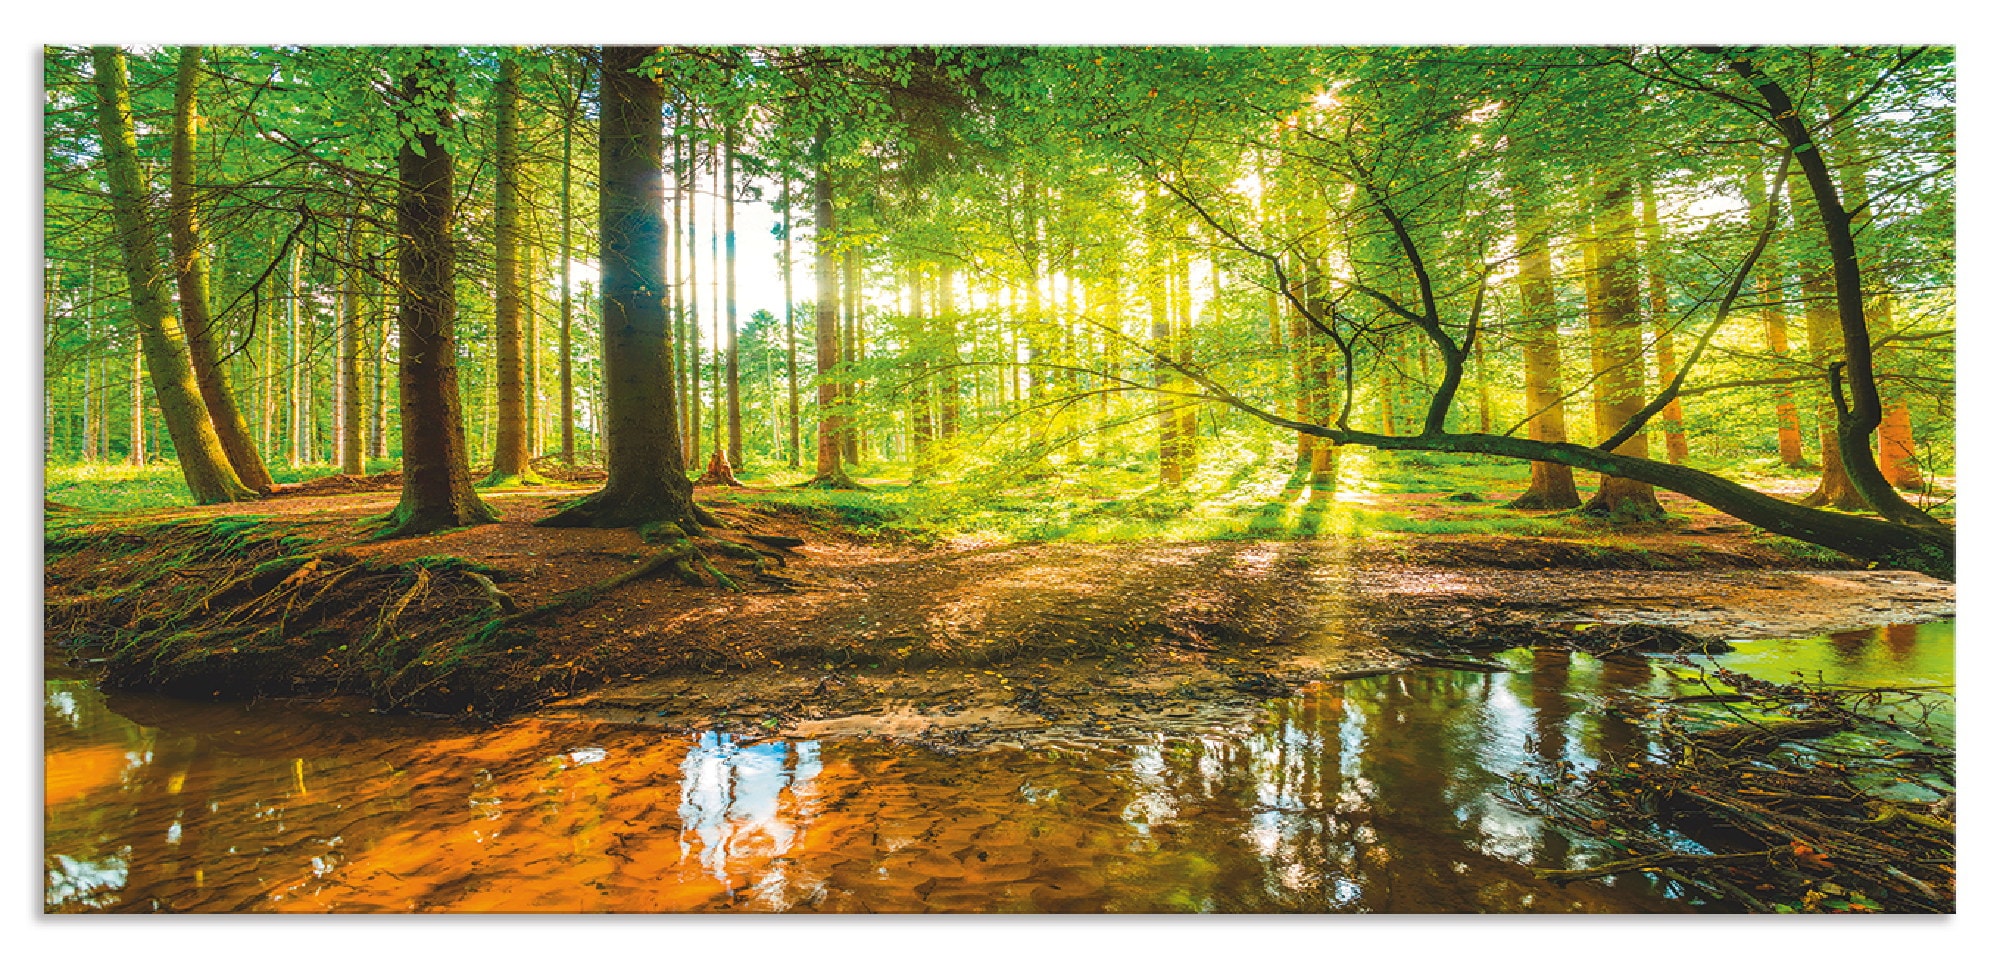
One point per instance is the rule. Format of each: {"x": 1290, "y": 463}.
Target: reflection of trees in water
{"x": 1379, "y": 795}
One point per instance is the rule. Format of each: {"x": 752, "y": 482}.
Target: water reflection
{"x": 1370, "y": 795}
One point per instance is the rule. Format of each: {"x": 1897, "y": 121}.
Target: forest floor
{"x": 868, "y": 631}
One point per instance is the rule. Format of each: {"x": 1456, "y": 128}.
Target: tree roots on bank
{"x": 238, "y": 608}
{"x": 1778, "y": 810}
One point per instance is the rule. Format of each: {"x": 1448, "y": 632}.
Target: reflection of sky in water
{"x": 1373, "y": 794}
{"x": 732, "y": 794}
{"x": 86, "y": 882}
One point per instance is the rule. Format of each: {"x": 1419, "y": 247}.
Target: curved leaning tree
{"x": 1401, "y": 159}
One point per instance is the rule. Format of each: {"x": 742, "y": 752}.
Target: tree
{"x": 646, "y": 481}
{"x": 437, "y": 484}
{"x": 510, "y": 445}
{"x": 191, "y": 276}
{"x": 204, "y": 464}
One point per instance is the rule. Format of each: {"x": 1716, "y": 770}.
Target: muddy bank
{"x": 797, "y": 617}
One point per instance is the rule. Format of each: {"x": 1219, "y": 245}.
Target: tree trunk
{"x": 647, "y": 480}
{"x": 1776, "y": 336}
{"x": 1835, "y": 489}
{"x": 949, "y": 410}
{"x": 1551, "y": 485}
{"x": 191, "y": 276}
{"x": 135, "y": 442}
{"x": 1899, "y": 448}
{"x": 1616, "y": 350}
{"x": 691, "y": 299}
{"x": 204, "y": 464}
{"x": 792, "y": 451}
{"x": 850, "y": 354}
{"x": 510, "y": 442}
{"x": 732, "y": 373}
{"x": 1857, "y": 417}
{"x": 564, "y": 374}
{"x": 295, "y": 432}
{"x": 826, "y": 327}
{"x": 348, "y": 436}
{"x": 1671, "y": 425}
{"x": 1161, "y": 333}
{"x": 437, "y": 484}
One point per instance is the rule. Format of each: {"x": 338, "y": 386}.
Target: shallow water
{"x": 1380, "y": 794}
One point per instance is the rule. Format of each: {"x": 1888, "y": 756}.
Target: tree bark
{"x": 1671, "y": 425}
{"x": 204, "y": 464}
{"x": 348, "y": 436}
{"x": 826, "y": 327}
{"x": 1551, "y": 485}
{"x": 1776, "y": 335}
{"x": 564, "y": 374}
{"x": 1836, "y": 490}
{"x": 647, "y": 480}
{"x": 792, "y": 450}
{"x": 437, "y": 484}
{"x": 1899, "y": 448}
{"x": 191, "y": 276}
{"x": 732, "y": 373}
{"x": 510, "y": 442}
{"x": 1860, "y": 414}
{"x": 1612, "y": 287}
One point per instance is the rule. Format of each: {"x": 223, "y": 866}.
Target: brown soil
{"x": 952, "y": 644}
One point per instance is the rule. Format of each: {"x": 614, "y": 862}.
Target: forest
{"x": 945, "y": 394}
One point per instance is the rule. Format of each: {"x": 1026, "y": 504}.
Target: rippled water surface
{"x": 1380, "y": 794}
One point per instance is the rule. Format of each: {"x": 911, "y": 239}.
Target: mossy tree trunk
{"x": 204, "y": 464}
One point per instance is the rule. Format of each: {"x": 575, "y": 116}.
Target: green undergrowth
{"x": 237, "y": 607}
{"x": 1242, "y": 494}
{"x": 121, "y": 487}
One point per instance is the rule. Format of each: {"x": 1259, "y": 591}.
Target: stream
{"x": 1380, "y": 794}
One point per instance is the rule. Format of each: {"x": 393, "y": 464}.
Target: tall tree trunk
{"x": 792, "y": 450}
{"x": 135, "y": 443}
{"x": 531, "y": 384}
{"x": 1160, "y": 340}
{"x": 732, "y": 373}
{"x": 923, "y": 425}
{"x": 349, "y": 361}
{"x": 1836, "y": 490}
{"x": 564, "y": 374}
{"x": 1616, "y": 350}
{"x": 1860, "y": 413}
{"x": 191, "y": 276}
{"x": 378, "y": 378}
{"x": 295, "y": 432}
{"x": 850, "y": 353}
{"x": 204, "y": 464}
{"x": 691, "y": 298}
{"x": 1776, "y": 336}
{"x": 647, "y": 481}
{"x": 948, "y": 385}
{"x": 1551, "y": 485}
{"x": 1672, "y": 428}
{"x": 826, "y": 326}
{"x": 437, "y": 483}
{"x": 510, "y": 441}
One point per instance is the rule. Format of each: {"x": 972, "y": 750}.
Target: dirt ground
{"x": 958, "y": 645}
